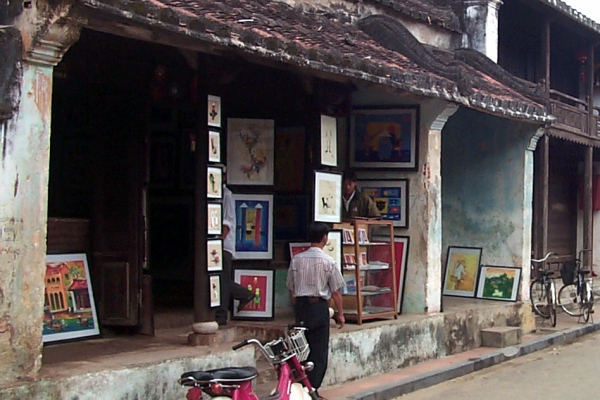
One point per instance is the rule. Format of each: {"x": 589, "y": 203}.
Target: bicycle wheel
{"x": 587, "y": 302}
{"x": 539, "y": 300}
{"x": 551, "y": 295}
{"x": 568, "y": 300}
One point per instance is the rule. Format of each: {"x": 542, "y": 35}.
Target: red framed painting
{"x": 259, "y": 282}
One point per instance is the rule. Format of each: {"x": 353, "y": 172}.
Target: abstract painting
{"x": 498, "y": 283}
{"x": 390, "y": 197}
{"x": 259, "y": 282}
{"x": 254, "y": 226}
{"x": 250, "y": 149}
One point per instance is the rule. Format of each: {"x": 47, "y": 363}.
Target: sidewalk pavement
{"x": 429, "y": 373}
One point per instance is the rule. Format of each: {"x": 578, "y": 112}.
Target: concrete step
{"x": 501, "y": 336}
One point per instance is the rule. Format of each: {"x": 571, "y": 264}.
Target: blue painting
{"x": 390, "y": 197}
{"x": 254, "y": 226}
{"x": 384, "y": 138}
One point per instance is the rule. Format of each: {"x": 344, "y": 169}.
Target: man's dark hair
{"x": 316, "y": 231}
{"x": 350, "y": 174}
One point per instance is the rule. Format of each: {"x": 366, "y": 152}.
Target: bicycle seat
{"x": 229, "y": 374}
{"x": 583, "y": 271}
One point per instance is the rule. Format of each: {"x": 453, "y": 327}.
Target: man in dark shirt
{"x": 356, "y": 204}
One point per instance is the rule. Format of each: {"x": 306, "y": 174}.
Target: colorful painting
{"x": 215, "y": 290}
{"x": 333, "y": 247}
{"x": 328, "y": 141}
{"x": 384, "y": 138}
{"x": 297, "y": 248}
{"x": 462, "y": 266}
{"x": 214, "y": 146}
{"x": 214, "y": 218}
{"x": 250, "y": 149}
{"x": 214, "y": 182}
{"x": 214, "y": 255}
{"x": 254, "y": 226}
{"x": 290, "y": 215}
{"x": 289, "y": 159}
{"x": 498, "y": 283}
{"x": 69, "y": 309}
{"x": 328, "y": 197}
{"x": 390, "y": 197}
{"x": 214, "y": 111}
{"x": 259, "y": 282}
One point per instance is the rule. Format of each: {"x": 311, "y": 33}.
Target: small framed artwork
{"x": 215, "y": 290}
{"x": 289, "y": 159}
{"x": 69, "y": 309}
{"x": 250, "y": 146}
{"x": 363, "y": 259}
{"x": 214, "y": 111}
{"x": 328, "y": 141}
{"x": 214, "y": 255}
{"x": 401, "y": 244}
{"x": 390, "y": 197}
{"x": 214, "y": 218}
{"x": 498, "y": 283}
{"x": 214, "y": 182}
{"x": 384, "y": 138}
{"x": 363, "y": 238}
{"x": 297, "y": 248}
{"x": 348, "y": 236}
{"x": 333, "y": 247}
{"x": 328, "y": 197}
{"x": 214, "y": 146}
{"x": 290, "y": 218}
{"x": 259, "y": 282}
{"x": 254, "y": 226}
{"x": 462, "y": 266}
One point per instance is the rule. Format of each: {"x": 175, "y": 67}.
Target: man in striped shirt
{"x": 314, "y": 278}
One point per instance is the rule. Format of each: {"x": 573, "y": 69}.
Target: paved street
{"x": 555, "y": 373}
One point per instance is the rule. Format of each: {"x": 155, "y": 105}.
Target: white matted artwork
{"x": 328, "y": 197}
{"x": 250, "y": 146}
{"x": 69, "y": 310}
{"x": 214, "y": 218}
{"x": 328, "y": 141}
{"x": 215, "y": 291}
{"x": 214, "y": 182}
{"x": 214, "y": 111}
{"x": 333, "y": 247}
{"x": 214, "y": 255}
{"x": 214, "y": 146}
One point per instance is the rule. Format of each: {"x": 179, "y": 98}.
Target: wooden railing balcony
{"x": 571, "y": 114}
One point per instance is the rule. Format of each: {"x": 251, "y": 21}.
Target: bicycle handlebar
{"x": 543, "y": 259}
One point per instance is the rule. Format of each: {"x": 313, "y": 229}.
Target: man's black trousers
{"x": 314, "y": 313}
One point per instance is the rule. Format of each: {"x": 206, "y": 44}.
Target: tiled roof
{"x": 572, "y": 13}
{"x": 319, "y": 41}
{"x": 430, "y": 11}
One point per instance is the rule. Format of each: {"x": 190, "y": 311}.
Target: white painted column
{"x": 480, "y": 18}
{"x": 24, "y": 172}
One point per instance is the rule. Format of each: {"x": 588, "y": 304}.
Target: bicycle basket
{"x": 567, "y": 273}
{"x": 299, "y": 345}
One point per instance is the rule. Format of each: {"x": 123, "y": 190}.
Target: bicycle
{"x": 542, "y": 292}
{"x": 576, "y": 297}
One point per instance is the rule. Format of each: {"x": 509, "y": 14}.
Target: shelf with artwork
{"x": 367, "y": 254}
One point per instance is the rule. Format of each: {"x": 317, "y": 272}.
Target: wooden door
{"x": 118, "y": 220}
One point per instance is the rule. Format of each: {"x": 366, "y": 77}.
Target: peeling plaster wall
{"x": 487, "y": 184}
{"x": 480, "y": 21}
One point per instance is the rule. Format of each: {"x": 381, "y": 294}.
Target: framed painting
{"x": 297, "y": 248}
{"x": 69, "y": 309}
{"x": 289, "y": 159}
{"x": 462, "y": 266}
{"x": 250, "y": 150}
{"x": 328, "y": 141}
{"x": 401, "y": 244}
{"x": 214, "y": 182}
{"x": 384, "y": 138}
{"x": 214, "y": 146}
{"x": 333, "y": 247}
{"x": 498, "y": 283}
{"x": 214, "y": 218}
{"x": 214, "y": 111}
{"x": 215, "y": 290}
{"x": 290, "y": 218}
{"x": 214, "y": 255}
{"x": 328, "y": 197}
{"x": 254, "y": 226}
{"x": 390, "y": 197}
{"x": 260, "y": 282}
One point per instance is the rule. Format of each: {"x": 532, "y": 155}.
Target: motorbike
{"x": 287, "y": 355}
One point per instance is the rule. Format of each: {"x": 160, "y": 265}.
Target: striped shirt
{"x": 313, "y": 273}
